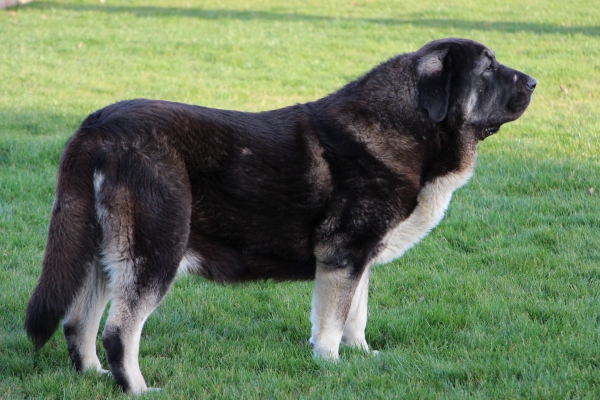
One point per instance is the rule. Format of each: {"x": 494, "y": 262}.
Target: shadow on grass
{"x": 167, "y": 12}
{"x": 38, "y": 122}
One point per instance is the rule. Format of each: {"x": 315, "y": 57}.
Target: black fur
{"x": 115, "y": 352}
{"x": 70, "y": 333}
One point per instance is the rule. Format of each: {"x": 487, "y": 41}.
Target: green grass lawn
{"x": 502, "y": 300}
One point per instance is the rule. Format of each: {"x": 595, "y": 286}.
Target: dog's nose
{"x": 531, "y": 83}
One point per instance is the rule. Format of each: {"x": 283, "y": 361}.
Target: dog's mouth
{"x": 489, "y": 131}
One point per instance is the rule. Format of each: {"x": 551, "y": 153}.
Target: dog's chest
{"x": 432, "y": 203}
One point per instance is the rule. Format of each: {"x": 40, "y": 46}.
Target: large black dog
{"x": 322, "y": 190}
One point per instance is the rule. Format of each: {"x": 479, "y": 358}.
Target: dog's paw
{"x": 359, "y": 342}
{"x": 97, "y": 368}
{"x": 323, "y": 351}
{"x": 327, "y": 355}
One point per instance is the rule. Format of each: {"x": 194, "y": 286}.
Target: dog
{"x": 323, "y": 190}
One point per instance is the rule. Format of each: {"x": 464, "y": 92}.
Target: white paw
{"x": 96, "y": 367}
{"x": 325, "y": 352}
{"x": 359, "y": 342}
{"x": 325, "y": 347}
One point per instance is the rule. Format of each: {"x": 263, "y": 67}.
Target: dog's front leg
{"x": 354, "y": 330}
{"x": 332, "y": 298}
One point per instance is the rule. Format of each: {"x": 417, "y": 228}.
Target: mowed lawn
{"x": 502, "y": 300}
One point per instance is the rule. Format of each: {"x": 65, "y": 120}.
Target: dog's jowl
{"x": 323, "y": 190}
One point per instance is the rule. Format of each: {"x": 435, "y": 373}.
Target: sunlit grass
{"x": 500, "y": 301}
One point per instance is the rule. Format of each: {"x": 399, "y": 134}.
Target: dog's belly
{"x": 432, "y": 203}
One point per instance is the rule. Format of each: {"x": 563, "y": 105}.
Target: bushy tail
{"x": 71, "y": 243}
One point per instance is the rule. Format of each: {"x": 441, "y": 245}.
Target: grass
{"x": 500, "y": 301}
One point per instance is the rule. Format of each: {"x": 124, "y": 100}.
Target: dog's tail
{"x": 72, "y": 241}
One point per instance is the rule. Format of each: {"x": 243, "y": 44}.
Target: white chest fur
{"x": 432, "y": 203}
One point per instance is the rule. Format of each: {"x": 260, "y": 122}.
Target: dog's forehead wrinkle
{"x": 487, "y": 56}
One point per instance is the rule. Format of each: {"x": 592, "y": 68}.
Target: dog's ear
{"x": 433, "y": 85}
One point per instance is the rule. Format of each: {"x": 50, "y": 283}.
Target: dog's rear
{"x": 118, "y": 231}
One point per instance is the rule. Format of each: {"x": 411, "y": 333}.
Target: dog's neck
{"x": 386, "y": 118}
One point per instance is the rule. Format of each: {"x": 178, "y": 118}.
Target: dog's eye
{"x": 490, "y": 68}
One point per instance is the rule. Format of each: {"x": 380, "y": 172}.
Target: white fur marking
{"x": 130, "y": 322}
{"x": 332, "y": 288}
{"x": 120, "y": 267}
{"x": 191, "y": 263}
{"x": 98, "y": 181}
{"x": 130, "y": 329}
{"x": 85, "y": 313}
{"x": 433, "y": 201}
{"x": 470, "y": 105}
{"x": 131, "y": 366}
{"x": 354, "y": 330}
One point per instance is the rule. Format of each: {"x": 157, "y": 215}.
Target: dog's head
{"x": 461, "y": 81}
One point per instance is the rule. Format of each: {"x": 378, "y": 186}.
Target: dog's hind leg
{"x": 354, "y": 329}
{"x": 130, "y": 307}
{"x": 83, "y": 319}
{"x": 332, "y": 300}
{"x": 144, "y": 209}
{"x": 139, "y": 278}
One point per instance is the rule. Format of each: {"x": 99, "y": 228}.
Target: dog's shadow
{"x": 250, "y": 15}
